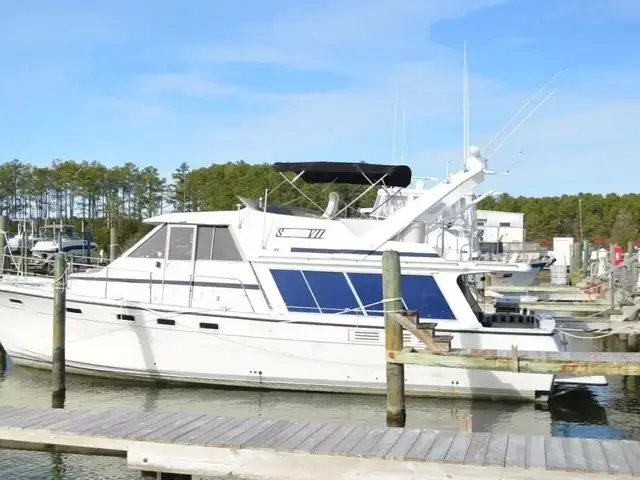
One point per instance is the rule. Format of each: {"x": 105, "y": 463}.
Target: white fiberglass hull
{"x": 106, "y": 339}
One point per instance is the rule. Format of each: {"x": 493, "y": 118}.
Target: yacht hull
{"x": 122, "y": 340}
{"x": 521, "y": 279}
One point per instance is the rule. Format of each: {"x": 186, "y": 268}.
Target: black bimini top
{"x": 353, "y": 173}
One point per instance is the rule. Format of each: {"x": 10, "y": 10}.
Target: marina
{"x": 222, "y": 259}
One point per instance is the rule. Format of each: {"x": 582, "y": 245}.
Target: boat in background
{"x": 26, "y": 234}
{"x": 61, "y": 238}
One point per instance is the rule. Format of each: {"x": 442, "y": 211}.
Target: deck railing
{"x": 37, "y": 269}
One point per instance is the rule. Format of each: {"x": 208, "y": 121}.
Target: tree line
{"x": 100, "y": 196}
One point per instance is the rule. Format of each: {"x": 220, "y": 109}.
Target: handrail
{"x": 15, "y": 261}
{"x": 242, "y": 285}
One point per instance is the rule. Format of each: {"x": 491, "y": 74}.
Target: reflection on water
{"x": 612, "y": 412}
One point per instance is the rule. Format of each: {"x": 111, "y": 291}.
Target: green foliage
{"x": 624, "y": 230}
{"x": 74, "y": 192}
{"x": 548, "y": 217}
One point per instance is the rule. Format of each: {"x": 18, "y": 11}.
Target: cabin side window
{"x": 180, "y": 243}
{"x": 204, "y": 246}
{"x": 153, "y": 247}
{"x": 216, "y": 243}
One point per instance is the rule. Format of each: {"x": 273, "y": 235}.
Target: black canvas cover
{"x": 352, "y": 173}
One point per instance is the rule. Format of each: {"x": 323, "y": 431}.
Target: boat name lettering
{"x": 315, "y": 233}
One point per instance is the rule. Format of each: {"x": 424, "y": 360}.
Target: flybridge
{"x": 428, "y": 207}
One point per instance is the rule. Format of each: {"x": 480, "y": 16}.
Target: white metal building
{"x": 505, "y": 227}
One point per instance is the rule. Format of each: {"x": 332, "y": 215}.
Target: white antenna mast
{"x": 465, "y": 113}
{"x": 404, "y": 137}
{"x": 395, "y": 129}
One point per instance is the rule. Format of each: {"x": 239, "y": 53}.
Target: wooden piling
{"x": 113, "y": 244}
{"x": 586, "y": 256}
{"x": 633, "y": 342}
{"x": 576, "y": 259}
{"x": 466, "y": 423}
{"x": 392, "y": 293}
{"x": 4, "y": 227}
{"x": 3, "y": 360}
{"x": 24, "y": 264}
{"x": 623, "y": 342}
{"x": 612, "y": 275}
{"x": 58, "y": 391}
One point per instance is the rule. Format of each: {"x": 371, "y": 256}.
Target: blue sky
{"x": 161, "y": 82}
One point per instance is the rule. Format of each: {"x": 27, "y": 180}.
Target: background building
{"x": 501, "y": 231}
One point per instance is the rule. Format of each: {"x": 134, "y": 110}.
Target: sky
{"x": 199, "y": 81}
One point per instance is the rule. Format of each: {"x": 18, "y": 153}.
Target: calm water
{"x": 612, "y": 412}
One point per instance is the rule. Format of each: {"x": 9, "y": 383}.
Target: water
{"x": 612, "y": 412}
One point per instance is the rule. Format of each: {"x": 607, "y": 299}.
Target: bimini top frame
{"x": 362, "y": 173}
{"x": 352, "y": 173}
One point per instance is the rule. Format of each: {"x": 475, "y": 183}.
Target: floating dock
{"x": 174, "y": 445}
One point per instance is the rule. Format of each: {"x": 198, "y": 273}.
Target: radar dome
{"x": 474, "y": 151}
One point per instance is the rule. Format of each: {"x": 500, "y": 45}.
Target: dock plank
{"x": 516, "y": 451}
{"x": 536, "y": 452}
{"x": 459, "y": 448}
{"x": 123, "y": 430}
{"x": 478, "y": 447}
{"x": 497, "y": 451}
{"x": 422, "y": 445}
{"x": 615, "y": 457}
{"x": 386, "y": 443}
{"x": 554, "y": 449}
{"x": 147, "y": 426}
{"x": 574, "y": 452}
{"x": 440, "y": 447}
{"x": 289, "y": 431}
{"x": 101, "y": 421}
{"x": 25, "y": 419}
{"x": 184, "y": 424}
{"x": 300, "y": 436}
{"x": 271, "y": 431}
{"x": 161, "y": 430}
{"x": 317, "y": 437}
{"x": 211, "y": 436}
{"x": 333, "y": 439}
{"x": 369, "y": 441}
{"x": 190, "y": 438}
{"x": 350, "y": 441}
{"x": 248, "y": 434}
{"x": 403, "y": 444}
{"x": 226, "y": 438}
{"x": 9, "y": 412}
{"x": 631, "y": 451}
{"x": 595, "y": 455}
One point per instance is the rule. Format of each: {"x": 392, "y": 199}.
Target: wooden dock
{"x": 186, "y": 445}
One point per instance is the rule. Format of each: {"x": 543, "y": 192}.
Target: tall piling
{"x": 113, "y": 244}
{"x": 586, "y": 255}
{"x": 4, "y": 227}
{"x": 612, "y": 275}
{"x": 58, "y": 390}
{"x": 3, "y": 360}
{"x": 24, "y": 263}
{"x": 392, "y": 294}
